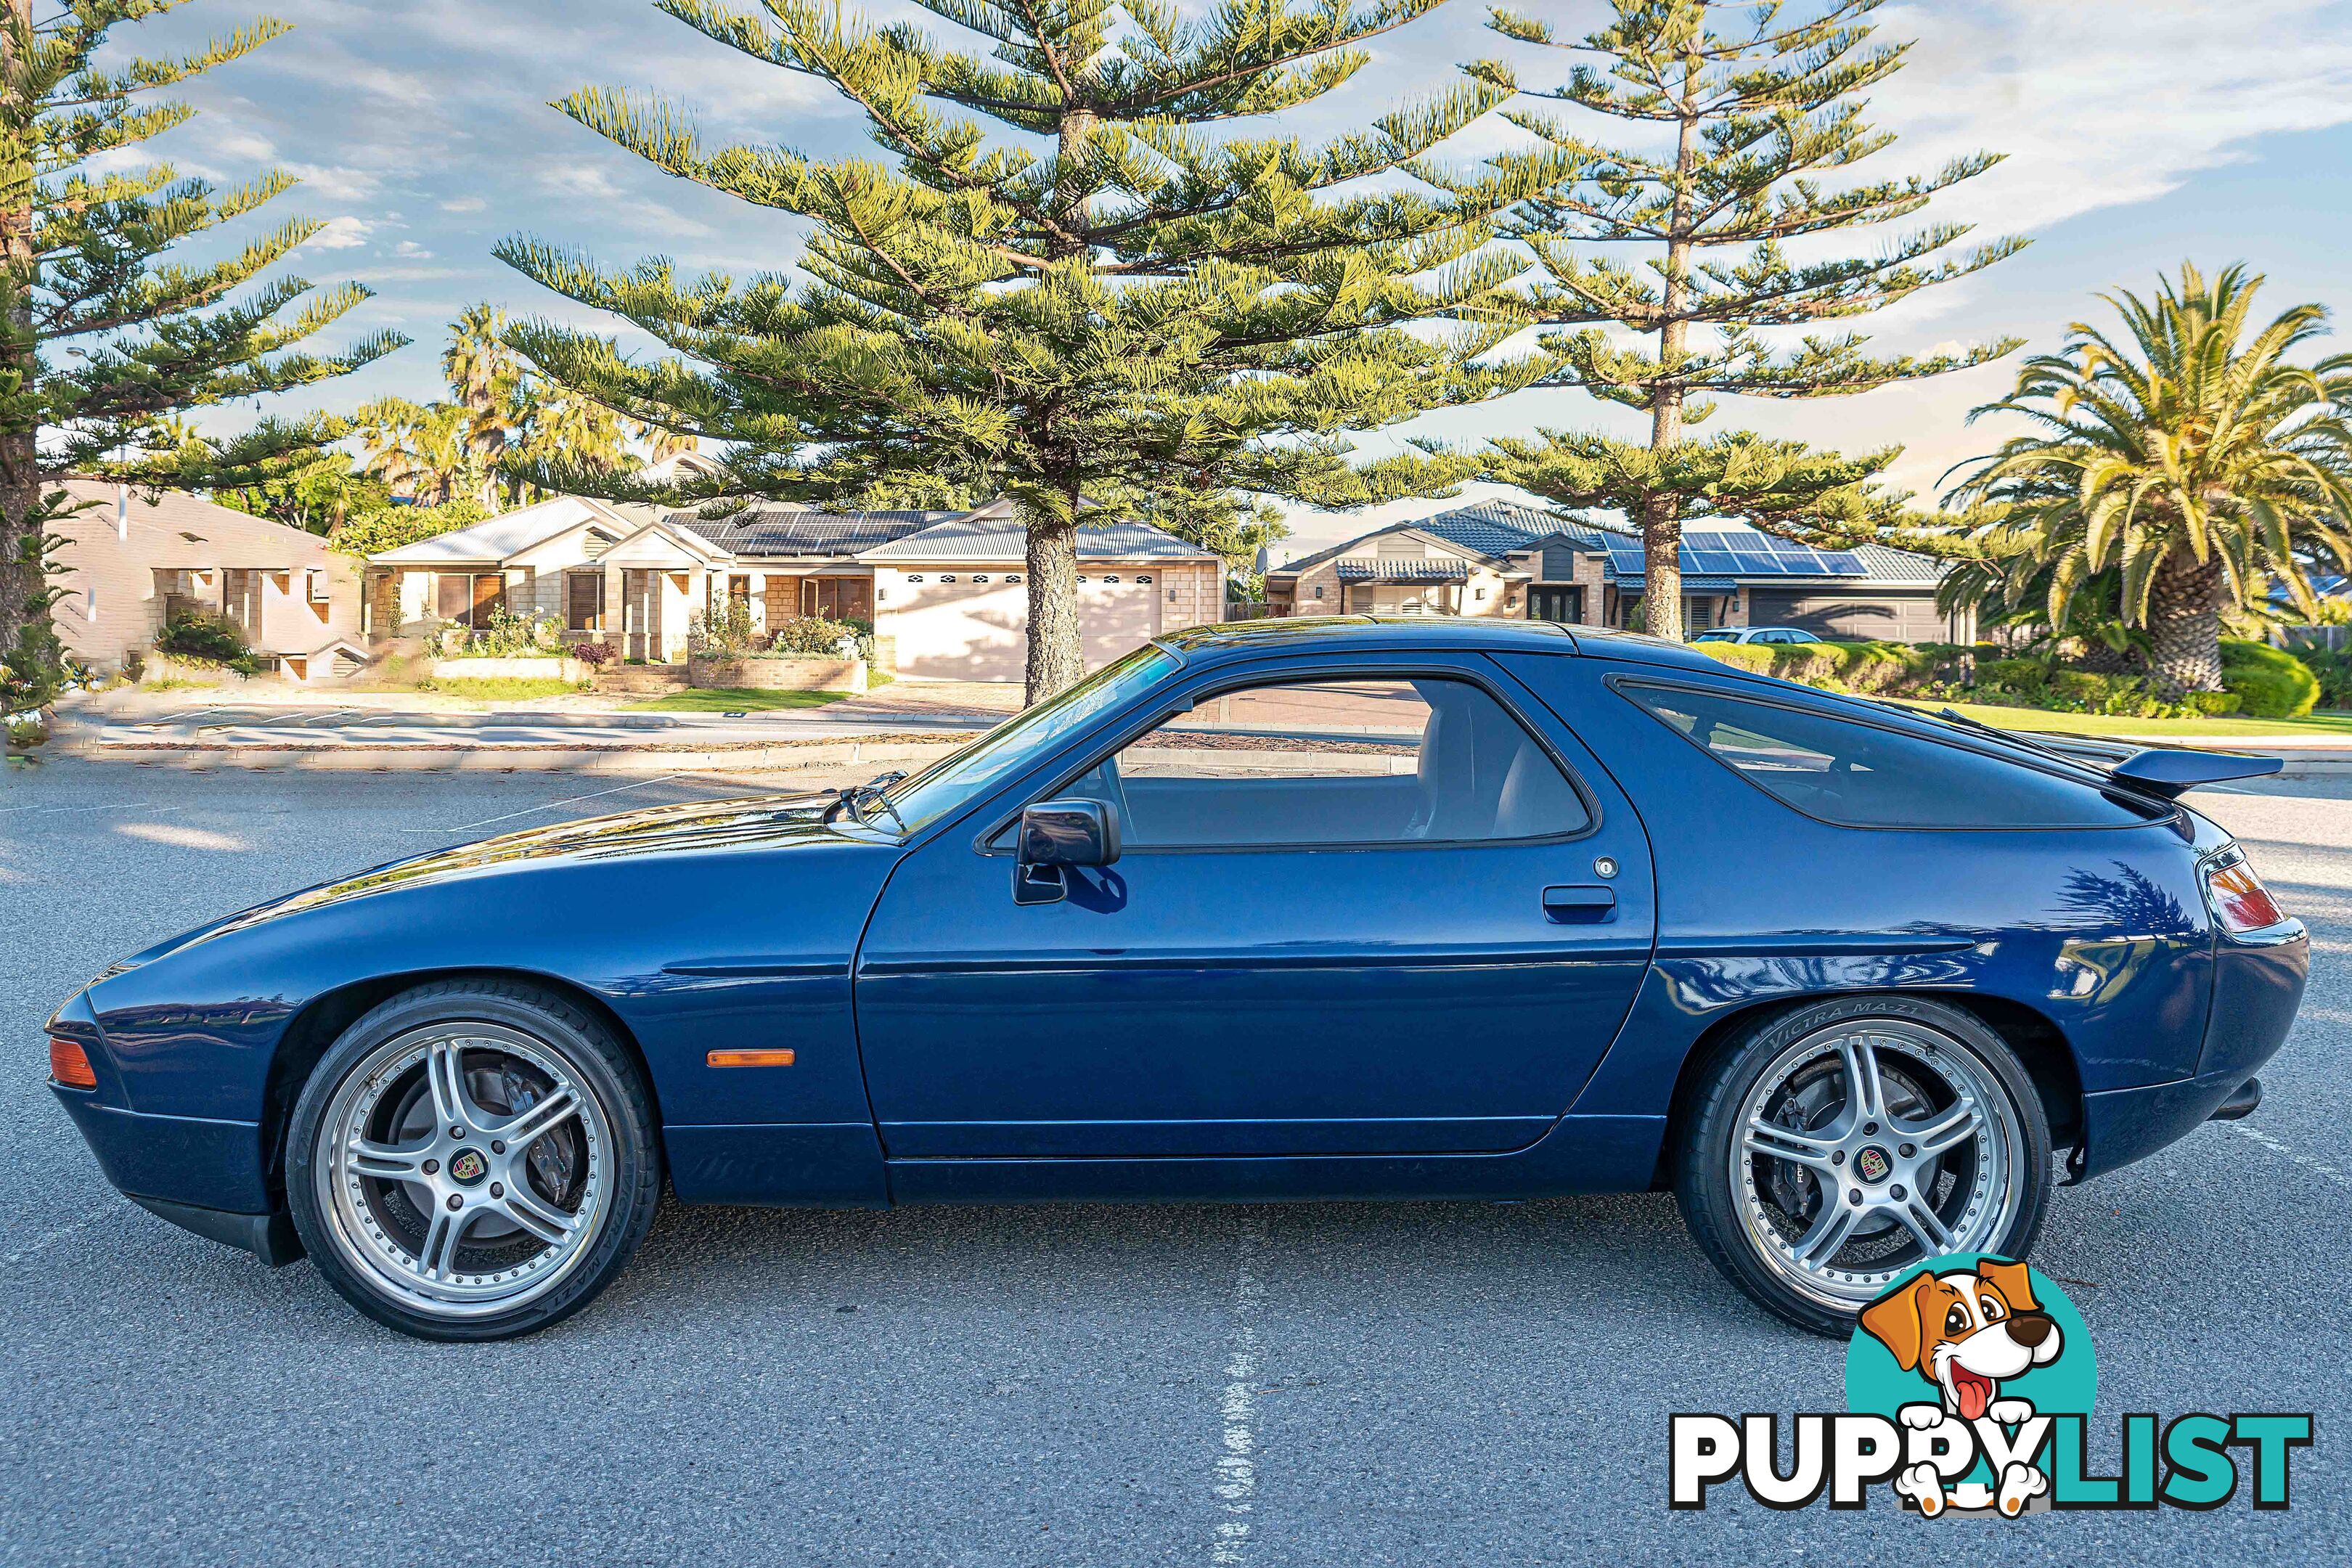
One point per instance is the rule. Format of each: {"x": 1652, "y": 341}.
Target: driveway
{"x": 1340, "y": 1385}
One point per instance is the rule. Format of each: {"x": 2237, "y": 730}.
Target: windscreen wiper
{"x": 853, "y": 798}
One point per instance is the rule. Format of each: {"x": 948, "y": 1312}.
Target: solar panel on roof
{"x": 1756, "y": 561}
{"x": 1717, "y": 562}
{"x": 1842, "y": 563}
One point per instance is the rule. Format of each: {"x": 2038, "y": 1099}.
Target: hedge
{"x": 2259, "y": 680}
{"x": 1877, "y": 669}
{"x": 2270, "y": 682}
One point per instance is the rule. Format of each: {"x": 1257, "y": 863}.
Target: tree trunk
{"x": 1056, "y": 657}
{"x": 2184, "y": 623}
{"x": 1662, "y": 514}
{"x": 25, "y": 644}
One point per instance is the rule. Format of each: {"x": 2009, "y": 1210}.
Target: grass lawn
{"x": 496, "y": 688}
{"x": 734, "y": 699}
{"x": 2319, "y": 726}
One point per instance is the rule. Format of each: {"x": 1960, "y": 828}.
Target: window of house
{"x": 470, "y": 599}
{"x": 1859, "y": 775}
{"x": 1402, "y": 761}
{"x": 584, "y": 601}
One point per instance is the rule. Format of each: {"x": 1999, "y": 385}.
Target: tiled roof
{"x": 1405, "y": 571}
{"x": 1716, "y": 554}
{"x": 995, "y": 536}
{"x": 796, "y": 531}
{"x": 1492, "y": 528}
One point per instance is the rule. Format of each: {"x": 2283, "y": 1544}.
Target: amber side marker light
{"x": 749, "y": 1059}
{"x": 69, "y": 1065}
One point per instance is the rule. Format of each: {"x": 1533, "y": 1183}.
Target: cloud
{"x": 410, "y": 249}
{"x": 464, "y": 204}
{"x": 2101, "y": 103}
{"x": 342, "y": 233}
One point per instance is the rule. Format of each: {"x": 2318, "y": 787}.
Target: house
{"x": 947, "y": 589}
{"x": 130, "y": 560}
{"x": 1504, "y": 560}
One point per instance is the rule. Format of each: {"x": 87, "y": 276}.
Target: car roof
{"x": 1363, "y": 634}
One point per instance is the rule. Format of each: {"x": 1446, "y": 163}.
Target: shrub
{"x": 593, "y": 653}
{"x": 814, "y": 634}
{"x": 2270, "y": 682}
{"x": 723, "y": 630}
{"x": 2333, "y": 668}
{"x": 1877, "y": 669}
{"x": 216, "y": 640}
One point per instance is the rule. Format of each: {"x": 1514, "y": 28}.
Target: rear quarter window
{"x": 1860, "y": 775}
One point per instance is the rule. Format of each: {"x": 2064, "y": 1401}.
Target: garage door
{"x": 961, "y": 626}
{"x": 965, "y": 626}
{"x": 1844, "y": 618}
{"x": 1117, "y": 611}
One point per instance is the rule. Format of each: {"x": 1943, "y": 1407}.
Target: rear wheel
{"x": 1833, "y": 1147}
{"x": 472, "y": 1160}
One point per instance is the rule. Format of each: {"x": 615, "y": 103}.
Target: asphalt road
{"x": 1353, "y": 1383}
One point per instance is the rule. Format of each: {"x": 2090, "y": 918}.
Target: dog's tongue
{"x": 1974, "y": 1393}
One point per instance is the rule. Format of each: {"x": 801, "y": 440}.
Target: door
{"x": 641, "y": 616}
{"x": 1380, "y": 914}
{"x": 1556, "y": 602}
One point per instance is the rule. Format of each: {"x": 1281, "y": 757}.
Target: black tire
{"x": 1701, "y": 1160}
{"x": 629, "y": 1174}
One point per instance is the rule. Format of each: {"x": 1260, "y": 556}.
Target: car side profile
{"x": 1778, "y": 636}
{"x": 1335, "y": 909}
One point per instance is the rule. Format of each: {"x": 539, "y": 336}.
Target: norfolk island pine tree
{"x": 1113, "y": 302}
{"x": 104, "y": 344}
{"x": 1748, "y": 108}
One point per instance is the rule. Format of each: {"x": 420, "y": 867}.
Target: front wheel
{"x": 1833, "y": 1147}
{"x": 472, "y": 1160}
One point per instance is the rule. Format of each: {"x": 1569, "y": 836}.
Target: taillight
{"x": 2240, "y": 900}
{"x": 69, "y": 1065}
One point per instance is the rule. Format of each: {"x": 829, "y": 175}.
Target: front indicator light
{"x": 69, "y": 1065}
{"x": 2239, "y": 897}
{"x": 749, "y": 1059}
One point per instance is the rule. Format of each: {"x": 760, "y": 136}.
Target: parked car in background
{"x": 1301, "y": 909}
{"x": 1770, "y": 634}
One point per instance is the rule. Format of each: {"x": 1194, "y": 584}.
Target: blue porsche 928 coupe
{"x": 1309, "y": 908}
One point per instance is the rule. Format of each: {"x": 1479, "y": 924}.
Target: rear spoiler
{"x": 2159, "y": 772}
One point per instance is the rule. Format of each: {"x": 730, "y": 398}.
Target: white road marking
{"x": 1236, "y": 1484}
{"x": 133, "y": 806}
{"x": 550, "y": 805}
{"x": 2317, "y": 1167}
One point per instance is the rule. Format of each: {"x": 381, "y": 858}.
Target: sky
{"x": 2138, "y": 134}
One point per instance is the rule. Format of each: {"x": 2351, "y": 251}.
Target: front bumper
{"x": 204, "y": 1176}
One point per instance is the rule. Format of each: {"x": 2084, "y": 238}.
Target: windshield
{"x": 1019, "y": 740}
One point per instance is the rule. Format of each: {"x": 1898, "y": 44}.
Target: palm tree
{"x": 2202, "y": 468}
{"x": 488, "y": 385}
{"x": 418, "y": 450}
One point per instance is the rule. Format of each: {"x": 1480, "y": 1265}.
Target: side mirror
{"x": 1055, "y": 834}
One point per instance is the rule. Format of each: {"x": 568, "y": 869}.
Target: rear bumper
{"x": 171, "y": 1164}
{"x": 2122, "y": 1125}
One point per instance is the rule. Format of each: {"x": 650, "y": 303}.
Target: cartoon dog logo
{"x": 1964, "y": 1331}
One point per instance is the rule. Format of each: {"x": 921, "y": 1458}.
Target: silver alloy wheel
{"x": 1869, "y": 1146}
{"x": 464, "y": 1168}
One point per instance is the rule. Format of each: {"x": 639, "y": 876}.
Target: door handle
{"x": 1579, "y": 905}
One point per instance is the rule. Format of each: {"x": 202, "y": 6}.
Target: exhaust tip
{"x": 2242, "y": 1102}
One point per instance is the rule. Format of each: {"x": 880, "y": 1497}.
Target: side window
{"x": 1337, "y": 762}
{"x": 1859, "y": 775}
